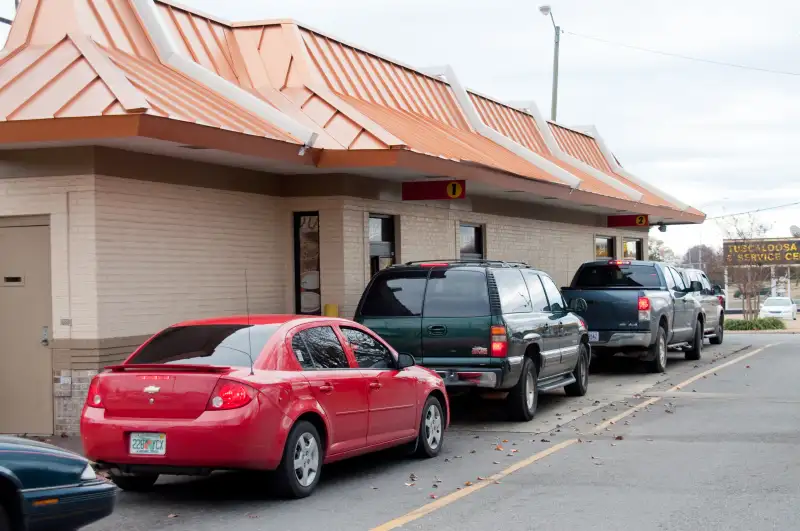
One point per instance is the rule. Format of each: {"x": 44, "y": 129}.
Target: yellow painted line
{"x": 457, "y": 495}
{"x": 448, "y": 499}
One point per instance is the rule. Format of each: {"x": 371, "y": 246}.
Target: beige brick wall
{"x": 68, "y": 201}
{"x": 167, "y": 253}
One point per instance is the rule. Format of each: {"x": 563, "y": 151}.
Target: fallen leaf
{"x": 374, "y": 488}
{"x": 747, "y": 366}
{"x": 481, "y": 478}
{"x": 410, "y": 484}
{"x": 413, "y": 477}
{"x": 613, "y": 444}
{"x": 498, "y": 448}
{"x": 618, "y": 438}
{"x": 446, "y": 459}
{"x": 510, "y": 455}
{"x": 172, "y": 516}
{"x": 514, "y": 450}
{"x": 649, "y": 440}
{"x": 505, "y": 440}
{"x": 496, "y": 482}
{"x": 477, "y": 437}
{"x": 433, "y": 496}
{"x": 473, "y": 451}
{"x": 436, "y": 480}
{"x": 457, "y": 457}
{"x": 495, "y": 462}
{"x": 467, "y": 483}
{"x": 580, "y": 441}
{"x": 545, "y": 440}
{"x": 435, "y": 486}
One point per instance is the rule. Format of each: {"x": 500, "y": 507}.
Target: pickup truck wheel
{"x": 659, "y": 352}
{"x": 581, "y": 374}
{"x": 696, "y": 349}
{"x": 720, "y": 333}
{"x": 524, "y": 396}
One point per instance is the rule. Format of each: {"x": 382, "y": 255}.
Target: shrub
{"x": 770, "y": 323}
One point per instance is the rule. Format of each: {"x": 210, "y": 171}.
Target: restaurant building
{"x": 159, "y": 164}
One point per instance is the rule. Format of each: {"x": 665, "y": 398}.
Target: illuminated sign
{"x": 762, "y": 252}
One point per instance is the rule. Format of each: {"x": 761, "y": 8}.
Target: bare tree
{"x": 658, "y": 251}
{"x": 750, "y": 278}
{"x": 710, "y": 260}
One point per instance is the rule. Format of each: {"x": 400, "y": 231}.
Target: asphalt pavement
{"x": 634, "y": 453}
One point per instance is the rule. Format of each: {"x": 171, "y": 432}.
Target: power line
{"x": 686, "y": 57}
{"x": 754, "y": 211}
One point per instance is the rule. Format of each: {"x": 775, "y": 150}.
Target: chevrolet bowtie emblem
{"x": 152, "y": 390}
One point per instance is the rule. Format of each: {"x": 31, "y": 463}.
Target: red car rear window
{"x": 229, "y": 345}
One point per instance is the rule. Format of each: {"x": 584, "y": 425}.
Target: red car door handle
{"x": 326, "y": 388}
{"x": 375, "y": 385}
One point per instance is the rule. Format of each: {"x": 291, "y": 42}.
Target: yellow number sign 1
{"x": 454, "y": 190}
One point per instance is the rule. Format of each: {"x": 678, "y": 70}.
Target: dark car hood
{"x": 28, "y": 445}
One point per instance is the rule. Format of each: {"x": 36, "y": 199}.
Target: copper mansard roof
{"x": 99, "y": 69}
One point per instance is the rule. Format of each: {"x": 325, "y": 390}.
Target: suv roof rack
{"x": 467, "y": 261}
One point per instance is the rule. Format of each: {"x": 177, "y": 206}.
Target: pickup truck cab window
{"x": 679, "y": 283}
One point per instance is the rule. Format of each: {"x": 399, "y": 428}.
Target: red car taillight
{"x": 230, "y": 395}
{"x": 721, "y": 300}
{"x": 644, "y": 304}
{"x": 499, "y": 342}
{"x": 94, "y": 399}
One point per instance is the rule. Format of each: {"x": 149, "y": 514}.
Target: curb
{"x": 784, "y": 332}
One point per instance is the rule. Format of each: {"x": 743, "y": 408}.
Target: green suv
{"x": 482, "y": 324}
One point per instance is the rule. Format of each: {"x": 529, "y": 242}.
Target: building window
{"x": 604, "y": 247}
{"x": 308, "y": 299}
{"x": 633, "y": 249}
{"x": 471, "y": 242}
{"x": 381, "y": 242}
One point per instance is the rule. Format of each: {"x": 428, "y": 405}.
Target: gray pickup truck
{"x": 639, "y": 309}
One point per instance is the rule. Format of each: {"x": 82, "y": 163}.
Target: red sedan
{"x": 283, "y": 393}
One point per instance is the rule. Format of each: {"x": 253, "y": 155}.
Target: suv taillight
{"x": 94, "y": 398}
{"x": 230, "y": 395}
{"x": 499, "y": 342}
{"x": 721, "y": 300}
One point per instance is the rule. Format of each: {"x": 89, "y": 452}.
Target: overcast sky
{"x": 723, "y": 139}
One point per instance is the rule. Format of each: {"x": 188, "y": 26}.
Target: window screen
{"x": 322, "y": 346}
{"x": 457, "y": 293}
{"x": 369, "y": 352}
{"x": 395, "y": 295}
{"x": 514, "y": 296}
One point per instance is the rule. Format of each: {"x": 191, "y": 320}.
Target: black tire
{"x": 720, "y": 334}
{"x": 289, "y": 485}
{"x": 658, "y": 351}
{"x": 134, "y": 483}
{"x": 522, "y": 400}
{"x": 5, "y": 521}
{"x": 581, "y": 374}
{"x": 431, "y": 429}
{"x": 696, "y": 349}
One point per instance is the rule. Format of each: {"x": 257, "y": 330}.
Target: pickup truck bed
{"x": 629, "y": 305}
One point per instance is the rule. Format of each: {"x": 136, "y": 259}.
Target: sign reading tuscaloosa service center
{"x": 762, "y": 252}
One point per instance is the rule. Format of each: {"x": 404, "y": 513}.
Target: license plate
{"x": 594, "y": 336}
{"x": 148, "y": 444}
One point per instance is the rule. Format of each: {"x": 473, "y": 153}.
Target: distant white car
{"x": 780, "y": 307}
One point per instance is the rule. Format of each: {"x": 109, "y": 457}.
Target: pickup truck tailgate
{"x": 608, "y": 309}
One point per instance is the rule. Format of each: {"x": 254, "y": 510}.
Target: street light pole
{"x": 547, "y": 11}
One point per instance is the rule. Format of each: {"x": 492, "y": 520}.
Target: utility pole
{"x": 548, "y": 11}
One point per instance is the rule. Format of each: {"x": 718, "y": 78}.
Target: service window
{"x": 457, "y": 293}
{"x": 369, "y": 352}
{"x": 535, "y": 288}
{"x": 395, "y": 295}
{"x": 471, "y": 242}
{"x": 604, "y": 247}
{"x": 321, "y": 346}
{"x": 514, "y": 296}
{"x": 632, "y": 249}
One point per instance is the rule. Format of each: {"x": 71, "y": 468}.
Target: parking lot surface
{"x": 374, "y": 491}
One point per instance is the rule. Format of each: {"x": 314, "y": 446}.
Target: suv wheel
{"x": 581, "y": 374}
{"x": 659, "y": 352}
{"x": 696, "y": 349}
{"x": 719, "y": 335}
{"x": 524, "y": 396}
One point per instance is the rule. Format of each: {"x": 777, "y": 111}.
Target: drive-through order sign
{"x": 434, "y": 190}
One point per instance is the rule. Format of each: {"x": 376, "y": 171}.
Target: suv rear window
{"x": 626, "y": 276}
{"x": 218, "y": 345}
{"x": 395, "y": 295}
{"x": 457, "y": 293}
